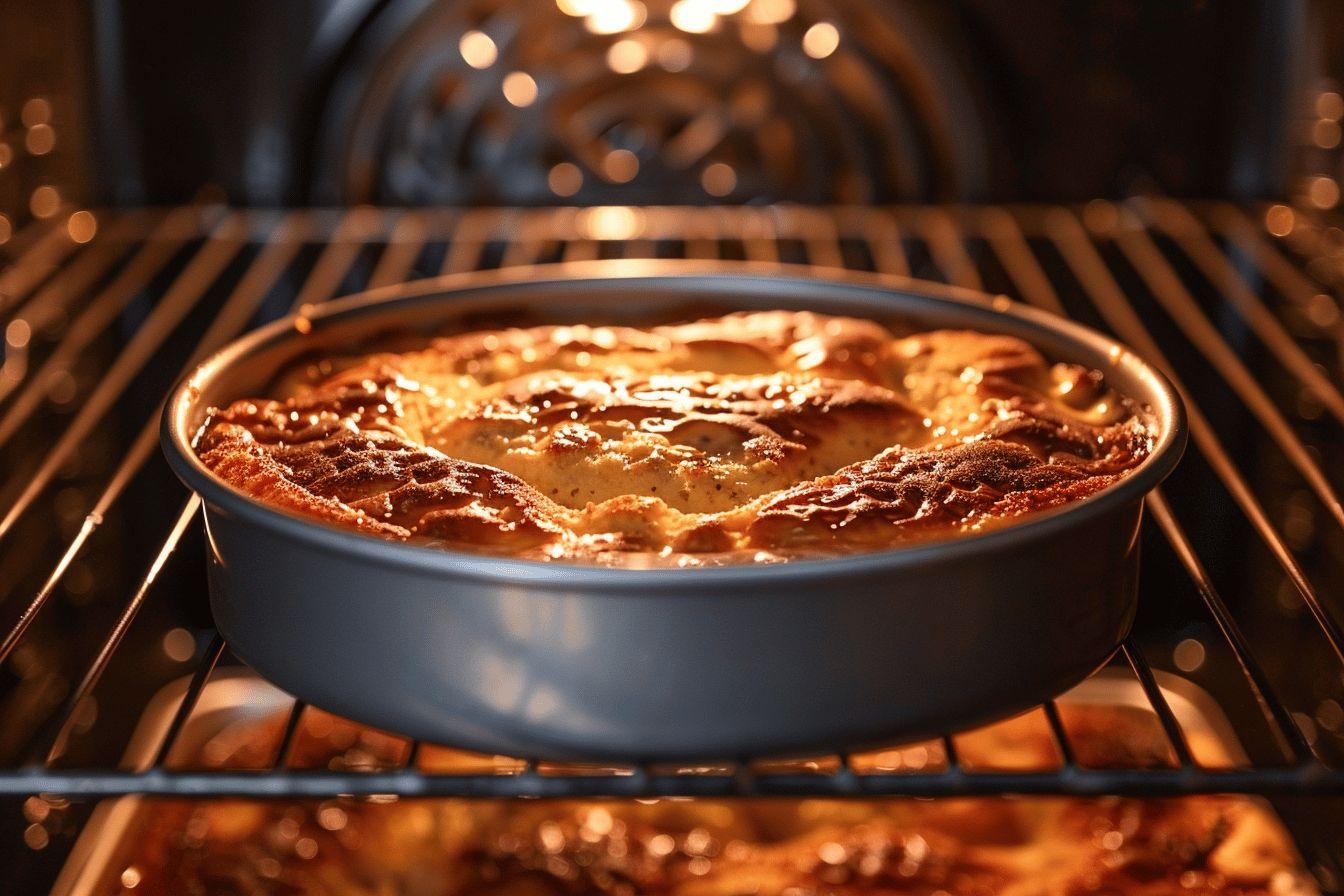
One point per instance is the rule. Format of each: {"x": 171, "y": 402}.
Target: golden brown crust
{"x": 901, "y": 494}
{"x": 756, "y": 436}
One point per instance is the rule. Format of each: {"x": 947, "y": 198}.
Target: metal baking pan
{"x": 566, "y": 661}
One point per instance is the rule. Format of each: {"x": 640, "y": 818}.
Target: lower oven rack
{"x": 1239, "y": 304}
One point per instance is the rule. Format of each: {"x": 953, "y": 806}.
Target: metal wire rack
{"x": 99, "y": 609}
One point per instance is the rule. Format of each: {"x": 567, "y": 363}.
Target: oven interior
{"x": 170, "y": 178}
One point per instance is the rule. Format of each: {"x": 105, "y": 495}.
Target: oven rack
{"x": 1238, "y": 304}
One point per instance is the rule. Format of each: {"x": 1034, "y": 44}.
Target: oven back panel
{"x": 321, "y": 102}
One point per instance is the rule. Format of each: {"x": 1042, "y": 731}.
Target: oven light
{"x": 718, "y": 179}
{"x": 520, "y": 89}
{"x": 82, "y": 226}
{"x": 1323, "y": 192}
{"x": 770, "y": 12}
{"x": 627, "y": 56}
{"x": 693, "y": 16}
{"x": 1280, "y": 220}
{"x": 35, "y": 111}
{"x": 477, "y": 49}
{"x": 40, "y": 139}
{"x": 1326, "y": 133}
{"x": 821, "y": 40}
{"x": 565, "y": 179}
{"x": 578, "y": 8}
{"x": 758, "y": 37}
{"x": 674, "y": 55}
{"x": 179, "y": 645}
{"x": 728, "y": 7}
{"x": 1330, "y": 105}
{"x": 1189, "y": 655}
{"x": 615, "y": 16}
{"x": 45, "y": 201}
{"x": 620, "y": 166}
{"x": 611, "y": 222}
{"x": 17, "y": 334}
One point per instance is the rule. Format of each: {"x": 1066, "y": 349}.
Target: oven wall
{"x": 45, "y": 109}
{"x": 1094, "y": 98}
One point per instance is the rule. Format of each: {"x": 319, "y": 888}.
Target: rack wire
{"x": 1239, "y": 306}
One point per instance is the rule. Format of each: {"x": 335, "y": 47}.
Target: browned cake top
{"x": 754, "y": 437}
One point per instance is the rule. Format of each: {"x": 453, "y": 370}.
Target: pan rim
{"x": 176, "y": 438}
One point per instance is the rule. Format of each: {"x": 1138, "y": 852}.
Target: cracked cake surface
{"x": 751, "y": 437}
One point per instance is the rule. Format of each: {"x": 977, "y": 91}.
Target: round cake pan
{"x": 577, "y": 662}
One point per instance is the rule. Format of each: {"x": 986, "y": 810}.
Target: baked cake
{"x": 752, "y": 437}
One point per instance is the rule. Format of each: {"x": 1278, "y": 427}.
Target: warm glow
{"x": 821, "y": 40}
{"x": 18, "y": 332}
{"x": 1279, "y": 220}
{"x": 761, "y": 38}
{"x": 44, "y": 202}
{"x": 477, "y": 49}
{"x": 179, "y": 645}
{"x": 40, "y": 139}
{"x": 35, "y": 112}
{"x": 611, "y": 222}
{"x": 728, "y": 7}
{"x": 1330, "y": 105}
{"x": 82, "y": 226}
{"x": 770, "y": 12}
{"x": 520, "y": 89}
{"x": 1325, "y": 133}
{"x": 1323, "y": 192}
{"x": 615, "y": 16}
{"x": 565, "y": 179}
{"x": 693, "y": 16}
{"x": 718, "y": 179}
{"x": 620, "y": 166}
{"x": 1323, "y": 311}
{"x": 578, "y": 8}
{"x": 1188, "y": 655}
{"x": 627, "y": 56}
{"x": 674, "y": 55}
{"x": 6, "y": 155}
{"x": 35, "y": 837}
{"x": 6, "y": 230}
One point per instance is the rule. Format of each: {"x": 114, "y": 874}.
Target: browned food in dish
{"x": 754, "y": 437}
{"x": 1035, "y": 846}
